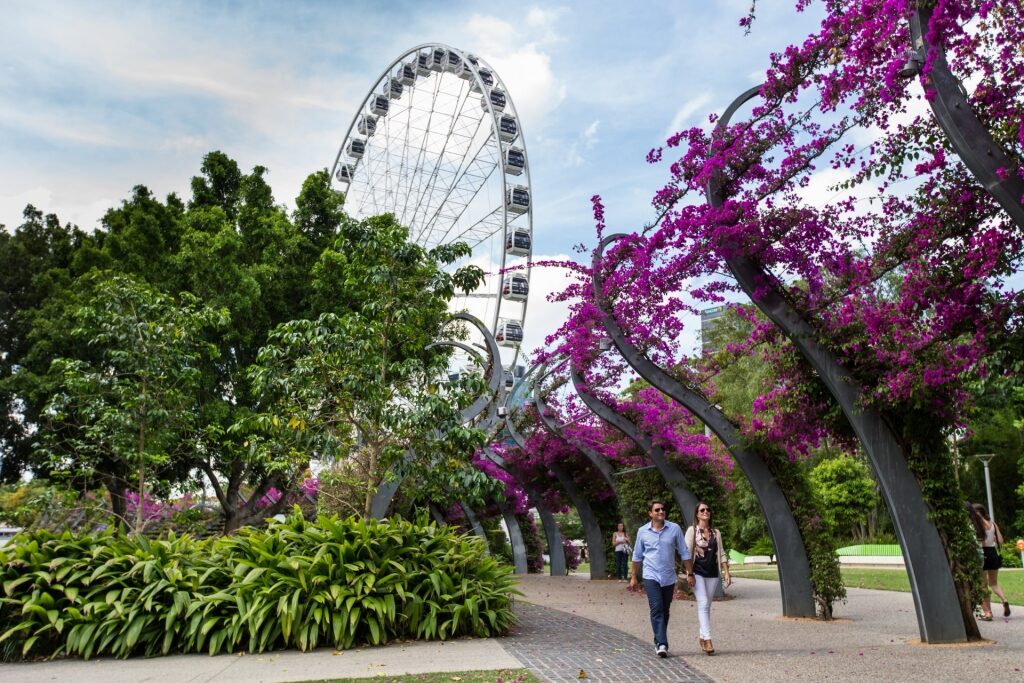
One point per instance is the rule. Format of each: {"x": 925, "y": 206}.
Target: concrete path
{"x": 874, "y": 637}
{"x": 569, "y": 624}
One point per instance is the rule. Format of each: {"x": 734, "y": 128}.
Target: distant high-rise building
{"x": 709, "y": 319}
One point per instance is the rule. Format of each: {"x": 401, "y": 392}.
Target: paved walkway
{"x": 563, "y": 648}
{"x": 570, "y": 624}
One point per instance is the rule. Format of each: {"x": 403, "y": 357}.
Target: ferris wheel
{"x": 438, "y": 143}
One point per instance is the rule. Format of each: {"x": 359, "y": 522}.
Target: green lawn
{"x": 489, "y": 676}
{"x": 1010, "y": 580}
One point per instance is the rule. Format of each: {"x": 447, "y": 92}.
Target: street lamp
{"x": 985, "y": 458}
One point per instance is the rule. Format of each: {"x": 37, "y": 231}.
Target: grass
{"x": 488, "y": 676}
{"x": 1010, "y": 580}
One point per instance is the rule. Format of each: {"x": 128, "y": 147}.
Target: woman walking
{"x": 991, "y": 538}
{"x": 620, "y": 542}
{"x": 707, "y": 550}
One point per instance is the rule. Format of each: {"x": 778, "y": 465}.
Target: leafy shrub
{"x": 295, "y": 584}
{"x": 1010, "y": 554}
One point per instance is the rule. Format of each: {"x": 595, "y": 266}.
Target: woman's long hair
{"x": 977, "y": 513}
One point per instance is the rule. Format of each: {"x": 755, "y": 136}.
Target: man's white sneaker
{"x": 663, "y": 651}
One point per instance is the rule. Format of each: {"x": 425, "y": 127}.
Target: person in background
{"x": 657, "y": 544}
{"x": 990, "y": 538}
{"x": 620, "y": 541}
{"x": 705, "y": 544}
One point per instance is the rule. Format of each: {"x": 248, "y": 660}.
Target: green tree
{"x": 36, "y": 261}
{"x": 847, "y": 493}
{"x": 132, "y": 405}
{"x": 363, "y": 376}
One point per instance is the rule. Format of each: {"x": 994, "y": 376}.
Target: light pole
{"x": 985, "y": 458}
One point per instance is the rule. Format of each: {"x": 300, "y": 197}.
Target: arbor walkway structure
{"x": 571, "y": 627}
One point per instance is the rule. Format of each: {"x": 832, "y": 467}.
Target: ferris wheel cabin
{"x": 423, "y": 64}
{"x": 356, "y": 148}
{"x": 515, "y": 288}
{"x": 510, "y": 333}
{"x": 497, "y": 98}
{"x": 393, "y": 88}
{"x": 518, "y": 242}
{"x": 517, "y": 199}
{"x": 378, "y": 105}
{"x": 407, "y": 74}
{"x": 515, "y": 161}
{"x": 486, "y": 77}
{"x": 367, "y": 125}
{"x": 453, "y": 63}
{"x": 508, "y": 129}
{"x": 438, "y": 56}
{"x": 345, "y": 173}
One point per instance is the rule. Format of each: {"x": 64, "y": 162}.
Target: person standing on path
{"x": 657, "y": 544}
{"x": 991, "y": 538}
{"x": 705, "y": 544}
{"x": 620, "y": 542}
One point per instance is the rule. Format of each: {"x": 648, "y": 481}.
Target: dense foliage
{"x": 296, "y": 584}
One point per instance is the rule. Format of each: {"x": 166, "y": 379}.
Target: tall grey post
{"x": 556, "y": 551}
{"x": 936, "y": 603}
{"x": 474, "y": 524}
{"x": 515, "y": 539}
{"x": 794, "y": 567}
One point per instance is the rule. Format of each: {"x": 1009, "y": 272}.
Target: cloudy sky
{"x": 96, "y": 97}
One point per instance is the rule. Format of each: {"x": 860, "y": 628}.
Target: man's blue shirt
{"x": 658, "y": 550}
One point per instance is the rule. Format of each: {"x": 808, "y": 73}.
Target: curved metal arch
{"x": 794, "y": 567}
{"x": 970, "y": 138}
{"x": 556, "y": 552}
{"x": 676, "y": 481}
{"x": 595, "y": 458}
{"x": 381, "y": 500}
{"x": 591, "y": 527}
{"x": 474, "y": 523}
{"x": 515, "y": 538}
{"x": 936, "y": 603}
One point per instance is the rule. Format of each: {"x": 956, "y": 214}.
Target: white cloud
{"x": 590, "y": 134}
{"x": 84, "y": 215}
{"x": 695, "y": 105}
{"x": 521, "y": 65}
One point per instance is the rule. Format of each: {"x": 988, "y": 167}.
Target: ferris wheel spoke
{"x": 430, "y": 190}
{"x": 464, "y": 189}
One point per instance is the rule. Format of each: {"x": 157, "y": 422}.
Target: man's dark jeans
{"x": 659, "y": 598}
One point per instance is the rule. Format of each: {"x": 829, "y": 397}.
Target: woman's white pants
{"x": 704, "y": 589}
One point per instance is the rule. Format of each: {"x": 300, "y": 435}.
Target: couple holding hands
{"x": 700, "y": 547}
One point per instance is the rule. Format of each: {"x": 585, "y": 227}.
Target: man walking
{"x": 657, "y": 544}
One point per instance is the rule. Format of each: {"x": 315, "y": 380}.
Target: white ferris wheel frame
{"x": 473, "y": 64}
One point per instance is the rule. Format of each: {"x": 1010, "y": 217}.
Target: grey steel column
{"x": 968, "y": 135}
{"x": 939, "y": 617}
{"x": 685, "y": 499}
{"x": 515, "y": 539}
{"x": 436, "y": 513}
{"x": 474, "y": 523}
{"x": 556, "y": 552}
{"x": 794, "y": 567}
{"x": 591, "y": 527}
